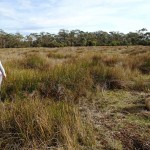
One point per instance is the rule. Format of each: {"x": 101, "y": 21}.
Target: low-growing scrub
{"x": 42, "y": 94}
{"x": 74, "y": 77}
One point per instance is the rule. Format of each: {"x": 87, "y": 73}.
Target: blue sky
{"x": 30, "y": 16}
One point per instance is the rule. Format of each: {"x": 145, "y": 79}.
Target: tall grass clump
{"x": 65, "y": 79}
{"x": 72, "y": 78}
{"x": 145, "y": 66}
{"x": 107, "y": 73}
{"x": 24, "y": 76}
{"x": 110, "y": 77}
{"x": 29, "y": 61}
{"x": 33, "y": 124}
{"x": 140, "y": 84}
{"x": 20, "y": 81}
{"x": 140, "y": 62}
{"x": 108, "y": 60}
{"x": 116, "y": 72}
{"x": 58, "y": 55}
{"x": 59, "y": 82}
{"x": 34, "y": 61}
{"x": 132, "y": 62}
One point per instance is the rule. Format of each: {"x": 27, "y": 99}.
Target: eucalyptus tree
{"x": 2, "y": 38}
{"x": 102, "y": 38}
{"x": 63, "y": 36}
{"x": 74, "y": 38}
{"x": 71, "y": 38}
{"x": 133, "y": 38}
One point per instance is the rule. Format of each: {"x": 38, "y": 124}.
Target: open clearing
{"x": 87, "y": 98}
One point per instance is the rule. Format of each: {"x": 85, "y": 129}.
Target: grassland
{"x": 81, "y": 98}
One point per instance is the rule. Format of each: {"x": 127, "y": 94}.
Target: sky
{"x": 34, "y": 16}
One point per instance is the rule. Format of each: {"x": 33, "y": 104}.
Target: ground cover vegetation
{"x": 75, "y": 98}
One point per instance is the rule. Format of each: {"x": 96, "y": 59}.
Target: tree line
{"x": 74, "y": 38}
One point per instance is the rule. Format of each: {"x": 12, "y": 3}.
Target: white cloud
{"x": 25, "y": 4}
{"x": 87, "y": 15}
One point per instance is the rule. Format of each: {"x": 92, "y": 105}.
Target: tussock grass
{"x": 40, "y": 98}
{"x": 29, "y": 61}
{"x": 35, "y": 62}
{"x": 74, "y": 77}
{"x": 58, "y": 55}
{"x": 145, "y": 66}
{"x": 109, "y": 60}
{"x": 140, "y": 62}
{"x": 53, "y": 82}
{"x": 36, "y": 124}
{"x": 20, "y": 81}
{"x": 64, "y": 79}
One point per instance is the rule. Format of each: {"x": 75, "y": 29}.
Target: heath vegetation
{"x": 75, "y": 98}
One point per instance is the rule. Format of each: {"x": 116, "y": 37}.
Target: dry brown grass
{"x": 45, "y": 87}
{"x": 36, "y": 124}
